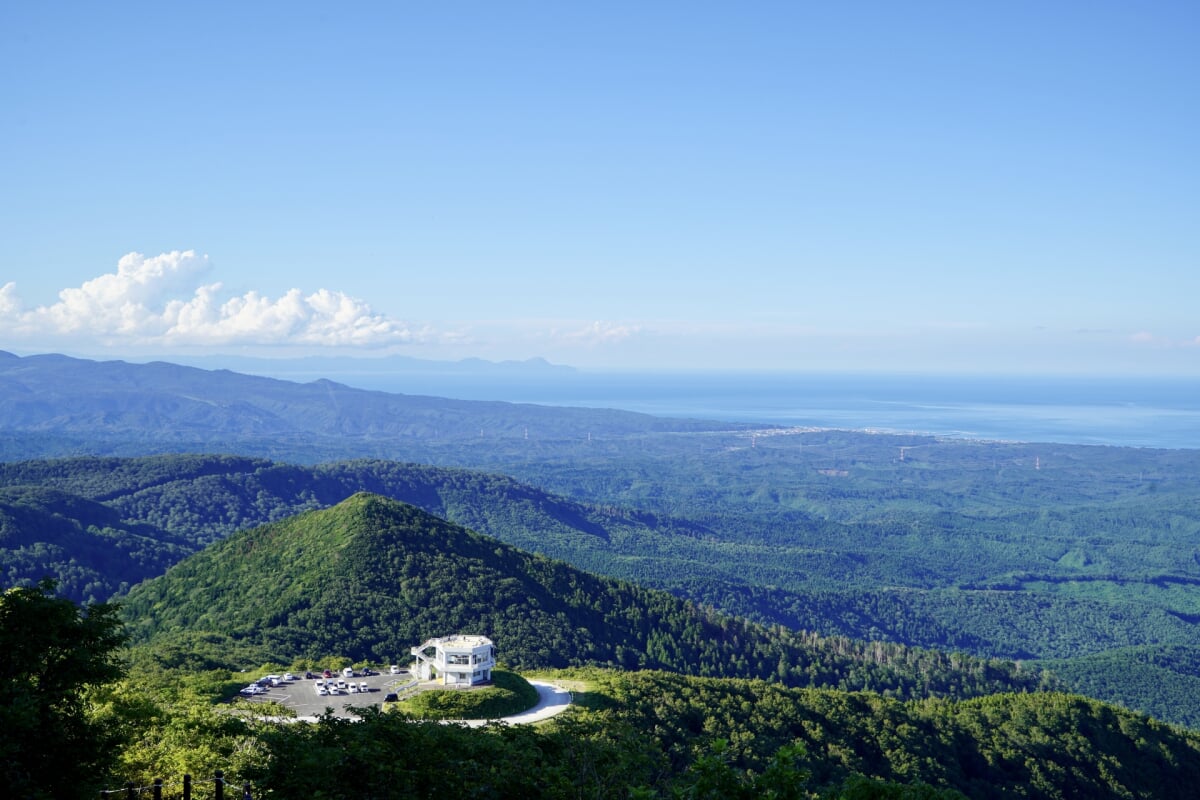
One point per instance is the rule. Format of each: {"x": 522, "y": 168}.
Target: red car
{"x": 327, "y": 674}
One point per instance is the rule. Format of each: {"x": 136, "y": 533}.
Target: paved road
{"x": 552, "y": 700}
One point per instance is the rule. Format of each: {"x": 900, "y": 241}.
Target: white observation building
{"x": 456, "y": 660}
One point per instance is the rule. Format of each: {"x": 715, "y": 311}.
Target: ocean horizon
{"x": 1131, "y": 412}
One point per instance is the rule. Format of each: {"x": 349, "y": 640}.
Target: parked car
{"x": 341, "y": 684}
{"x": 287, "y": 676}
{"x": 348, "y": 672}
{"x": 363, "y": 688}
{"x": 391, "y": 697}
{"x": 353, "y": 688}
{"x": 308, "y": 676}
{"x": 395, "y": 670}
{"x": 327, "y": 674}
{"x": 322, "y": 691}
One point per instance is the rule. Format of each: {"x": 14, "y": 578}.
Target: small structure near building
{"x": 457, "y": 660}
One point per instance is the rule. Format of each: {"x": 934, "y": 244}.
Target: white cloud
{"x": 598, "y": 333}
{"x": 10, "y": 304}
{"x": 161, "y": 300}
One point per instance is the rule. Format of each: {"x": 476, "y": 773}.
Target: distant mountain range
{"x": 335, "y": 367}
{"x": 51, "y": 403}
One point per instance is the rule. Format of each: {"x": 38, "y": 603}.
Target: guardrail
{"x": 406, "y": 690}
{"x": 156, "y": 789}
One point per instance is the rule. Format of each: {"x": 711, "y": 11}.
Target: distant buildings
{"x": 455, "y": 660}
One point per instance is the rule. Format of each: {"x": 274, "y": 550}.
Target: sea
{"x": 1137, "y": 412}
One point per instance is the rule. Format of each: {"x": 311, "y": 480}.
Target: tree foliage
{"x": 959, "y": 546}
{"x": 52, "y": 655}
{"x": 371, "y": 577}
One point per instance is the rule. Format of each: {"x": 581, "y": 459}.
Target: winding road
{"x": 552, "y": 700}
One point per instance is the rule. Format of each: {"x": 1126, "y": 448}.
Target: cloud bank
{"x": 162, "y": 300}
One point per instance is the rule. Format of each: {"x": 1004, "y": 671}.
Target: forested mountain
{"x": 371, "y": 577}
{"x": 632, "y": 734}
{"x": 191, "y": 501}
{"x": 186, "y": 502}
{"x": 86, "y": 547}
{"x": 1015, "y": 550}
{"x": 664, "y": 735}
{"x": 1001, "y": 746}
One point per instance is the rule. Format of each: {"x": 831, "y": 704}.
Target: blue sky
{"x": 945, "y": 187}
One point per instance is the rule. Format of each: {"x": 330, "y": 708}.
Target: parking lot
{"x": 301, "y": 696}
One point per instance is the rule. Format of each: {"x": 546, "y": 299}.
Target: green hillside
{"x": 371, "y": 577}
{"x": 657, "y": 734}
{"x": 1003, "y": 746}
{"x": 201, "y": 499}
{"x": 1162, "y": 681}
{"x": 86, "y": 547}
{"x": 648, "y": 734}
{"x": 1121, "y": 584}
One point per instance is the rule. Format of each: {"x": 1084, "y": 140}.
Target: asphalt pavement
{"x": 300, "y": 696}
{"x": 552, "y": 700}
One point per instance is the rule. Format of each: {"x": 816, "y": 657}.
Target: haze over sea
{"x": 1141, "y": 412}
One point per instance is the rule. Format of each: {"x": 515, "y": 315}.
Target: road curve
{"x": 552, "y": 700}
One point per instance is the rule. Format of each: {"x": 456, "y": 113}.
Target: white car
{"x": 395, "y": 670}
{"x": 353, "y": 689}
{"x": 362, "y": 688}
{"x": 287, "y": 676}
{"x": 322, "y": 691}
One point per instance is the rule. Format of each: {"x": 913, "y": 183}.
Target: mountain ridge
{"x": 168, "y": 402}
{"x": 370, "y": 577}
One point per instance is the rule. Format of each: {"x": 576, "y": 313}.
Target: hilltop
{"x": 370, "y": 577}
{"x": 186, "y": 502}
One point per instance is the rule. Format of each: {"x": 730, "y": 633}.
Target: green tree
{"x": 52, "y": 653}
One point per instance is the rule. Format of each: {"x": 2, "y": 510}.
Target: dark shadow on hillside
{"x": 593, "y": 700}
